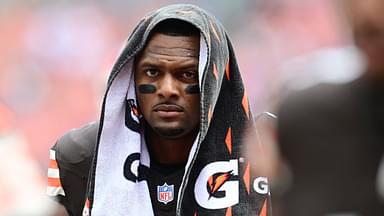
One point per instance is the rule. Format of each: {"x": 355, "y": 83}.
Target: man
{"x": 331, "y": 135}
{"x": 170, "y": 137}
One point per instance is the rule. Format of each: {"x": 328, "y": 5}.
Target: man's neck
{"x": 169, "y": 150}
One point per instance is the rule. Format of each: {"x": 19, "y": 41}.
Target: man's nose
{"x": 168, "y": 87}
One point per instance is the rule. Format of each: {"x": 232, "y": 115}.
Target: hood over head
{"x": 217, "y": 178}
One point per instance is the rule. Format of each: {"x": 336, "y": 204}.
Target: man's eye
{"x": 151, "y": 72}
{"x": 189, "y": 75}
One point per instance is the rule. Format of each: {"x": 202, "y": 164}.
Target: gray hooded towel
{"x": 218, "y": 179}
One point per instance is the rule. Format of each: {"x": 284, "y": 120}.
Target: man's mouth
{"x": 168, "y": 110}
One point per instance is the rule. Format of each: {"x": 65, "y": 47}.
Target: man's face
{"x": 166, "y": 78}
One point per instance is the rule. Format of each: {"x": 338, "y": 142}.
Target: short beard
{"x": 169, "y": 132}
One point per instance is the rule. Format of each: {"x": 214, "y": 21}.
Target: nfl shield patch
{"x": 165, "y": 193}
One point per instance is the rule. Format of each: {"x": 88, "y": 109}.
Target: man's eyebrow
{"x": 184, "y": 65}
{"x": 147, "y": 64}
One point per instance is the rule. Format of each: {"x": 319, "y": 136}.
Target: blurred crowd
{"x": 55, "y": 57}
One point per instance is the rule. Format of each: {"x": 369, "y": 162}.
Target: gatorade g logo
{"x": 217, "y": 186}
{"x": 216, "y": 181}
{"x": 214, "y": 188}
{"x": 132, "y": 168}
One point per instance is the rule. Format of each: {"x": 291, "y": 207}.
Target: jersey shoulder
{"x": 75, "y": 149}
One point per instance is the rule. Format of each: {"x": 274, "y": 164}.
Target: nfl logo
{"x": 165, "y": 193}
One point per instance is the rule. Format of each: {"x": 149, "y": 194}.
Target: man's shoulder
{"x": 75, "y": 149}
{"x": 322, "y": 100}
{"x": 320, "y": 95}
